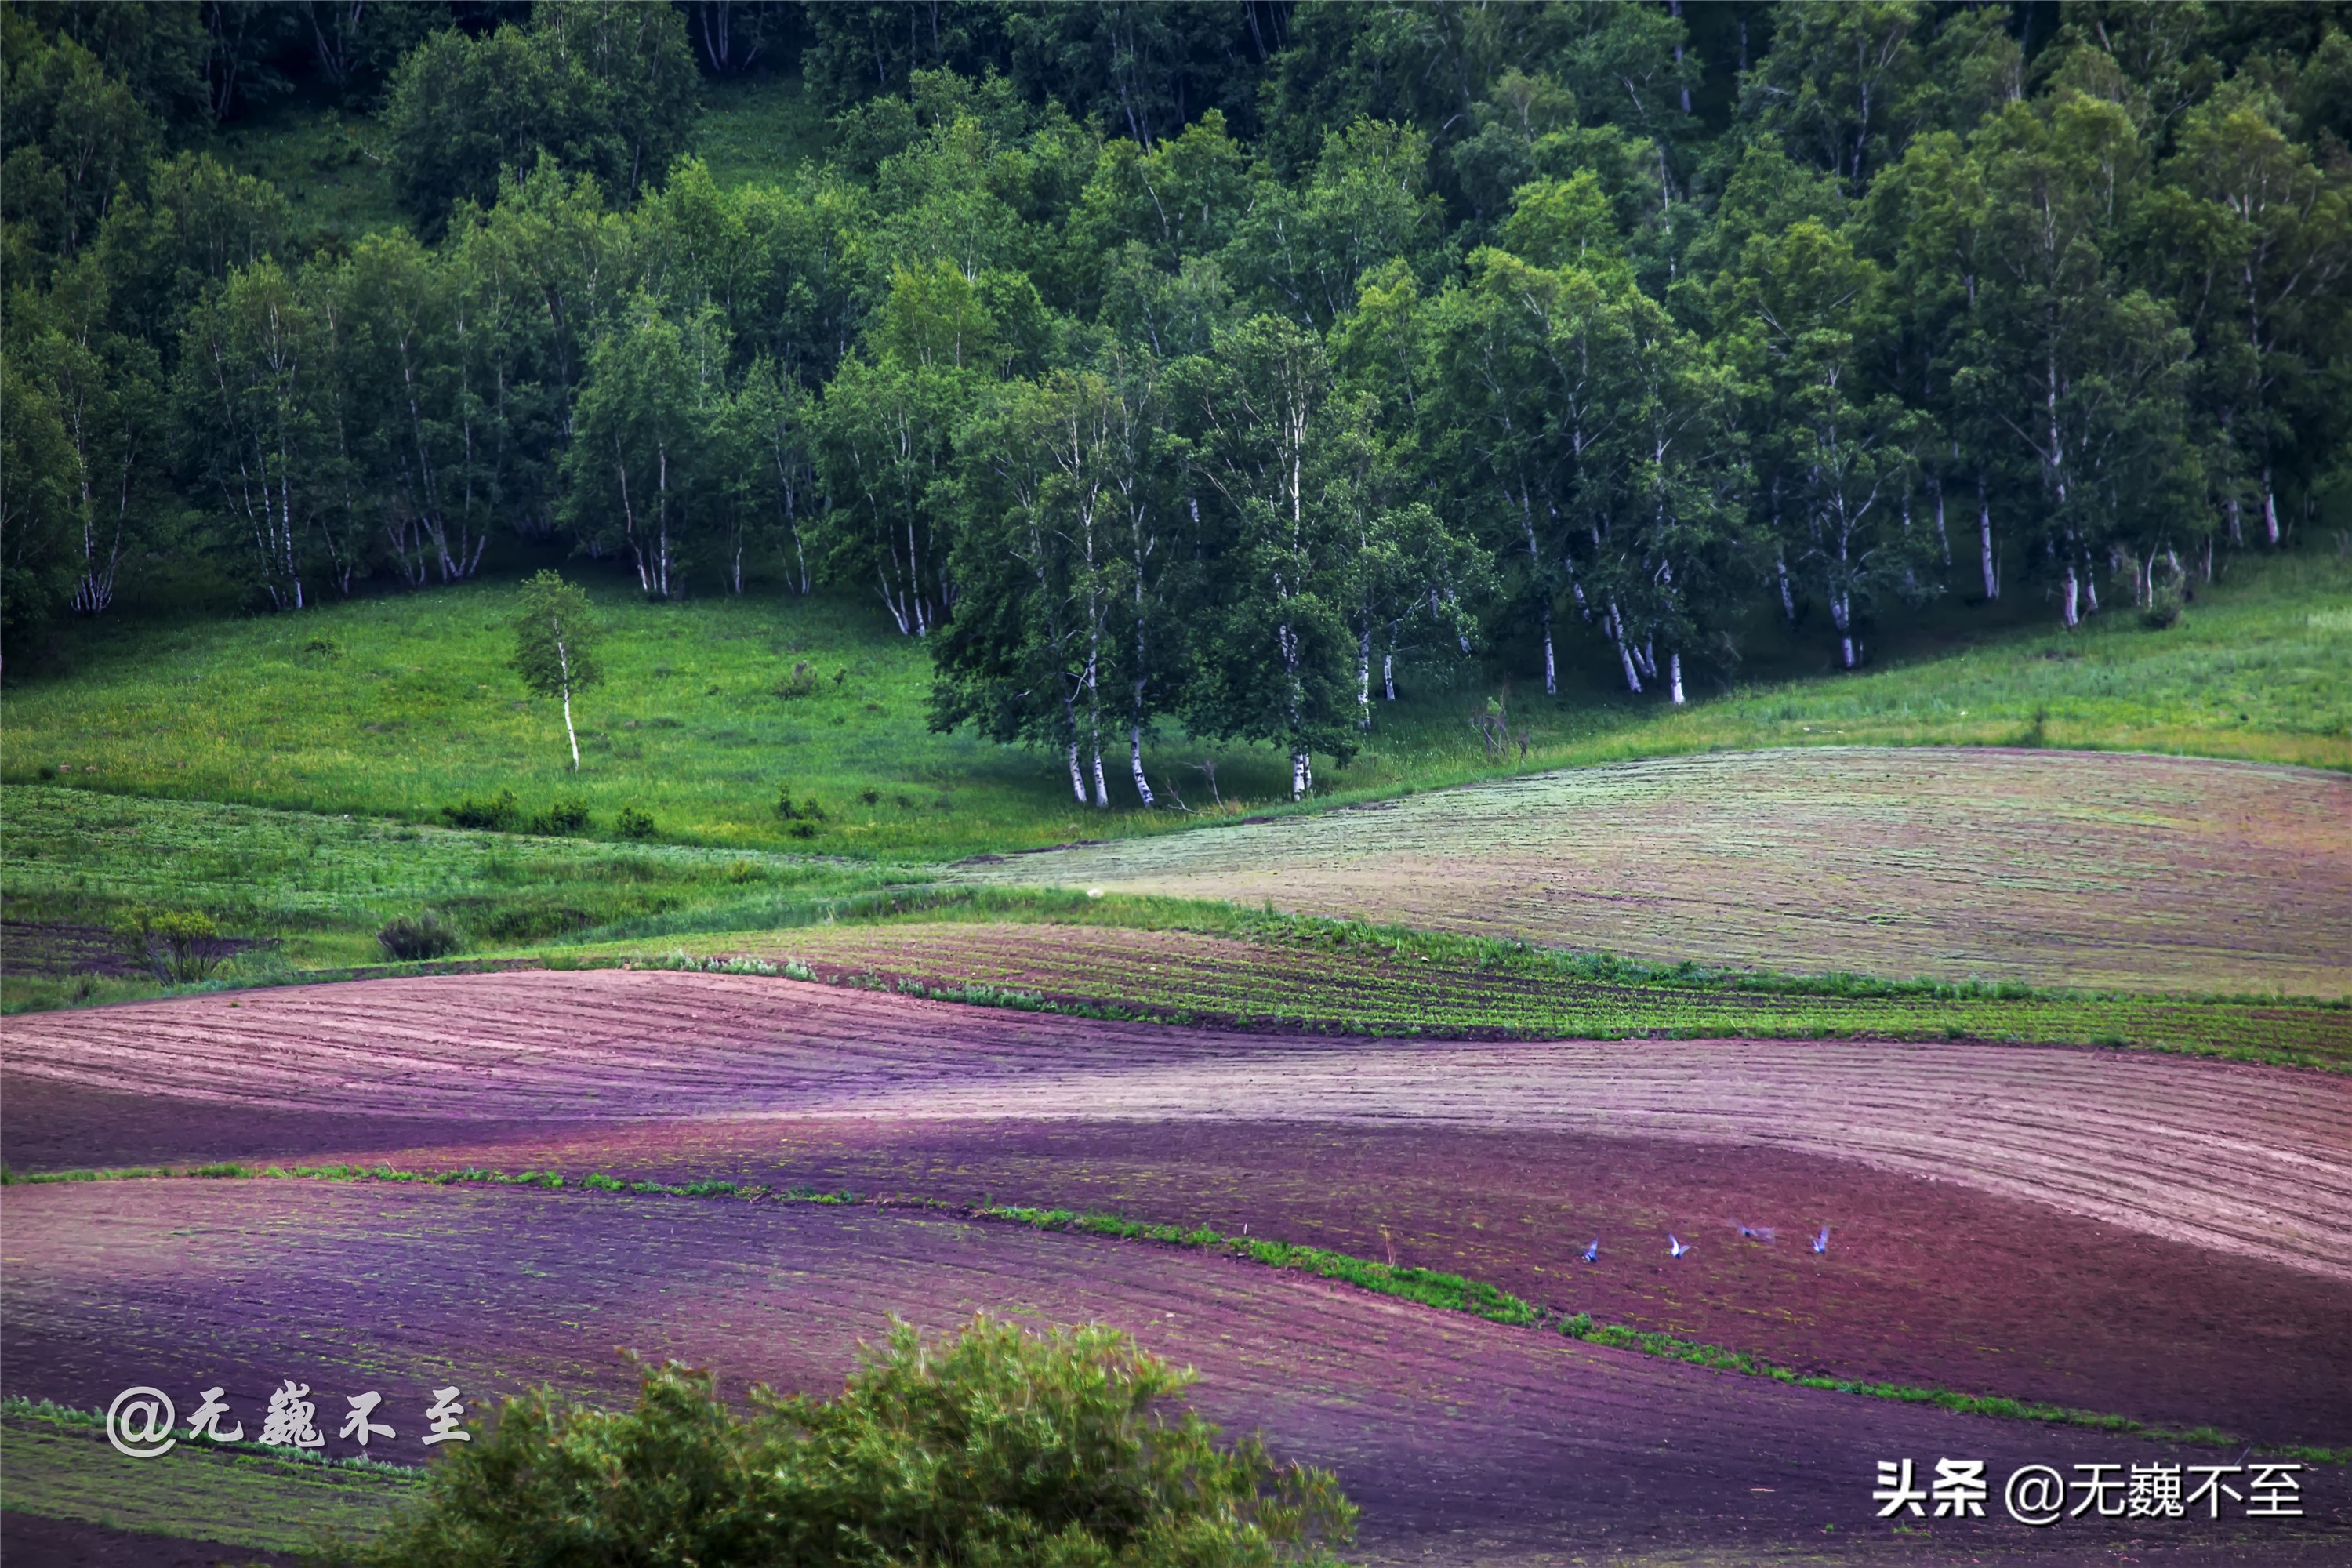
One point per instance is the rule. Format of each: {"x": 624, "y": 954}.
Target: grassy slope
{"x": 331, "y": 164}
{"x": 320, "y": 887}
{"x": 397, "y": 706}
{"x": 62, "y": 1469}
{"x": 759, "y": 128}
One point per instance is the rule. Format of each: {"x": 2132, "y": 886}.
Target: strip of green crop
{"x": 1451, "y": 1292}
{"x": 1428, "y": 1287}
{"x": 48, "y": 1412}
{"x": 2110, "y": 1023}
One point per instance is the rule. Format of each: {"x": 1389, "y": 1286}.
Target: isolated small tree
{"x": 555, "y": 645}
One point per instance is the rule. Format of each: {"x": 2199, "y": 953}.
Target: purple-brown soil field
{"x": 1462, "y": 1440}
{"x": 2161, "y": 1237}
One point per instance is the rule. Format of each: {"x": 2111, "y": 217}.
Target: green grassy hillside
{"x": 400, "y": 706}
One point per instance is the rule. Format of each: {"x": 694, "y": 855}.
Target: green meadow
{"x": 293, "y": 777}
{"x": 398, "y": 706}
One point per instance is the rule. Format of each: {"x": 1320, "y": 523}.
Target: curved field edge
{"x": 1429, "y": 1288}
{"x": 1299, "y": 975}
{"x": 1146, "y": 958}
{"x": 305, "y": 896}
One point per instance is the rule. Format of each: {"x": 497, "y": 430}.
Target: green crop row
{"x": 1301, "y": 973}
{"x": 48, "y": 1412}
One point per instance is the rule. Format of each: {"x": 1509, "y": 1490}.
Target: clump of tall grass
{"x": 409, "y": 939}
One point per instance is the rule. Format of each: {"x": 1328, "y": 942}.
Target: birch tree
{"x": 2080, "y": 371}
{"x": 1811, "y": 311}
{"x": 638, "y": 465}
{"x": 1273, "y": 632}
{"x": 1022, "y": 660}
{"x": 557, "y": 635}
{"x": 246, "y": 395}
{"x": 2256, "y": 238}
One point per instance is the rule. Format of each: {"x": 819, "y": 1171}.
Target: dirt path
{"x": 2062, "y": 868}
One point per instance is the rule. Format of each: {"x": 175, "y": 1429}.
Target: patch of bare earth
{"x": 2248, "y": 1161}
{"x": 1464, "y": 1440}
{"x": 2160, "y": 1238}
{"x": 2060, "y": 869}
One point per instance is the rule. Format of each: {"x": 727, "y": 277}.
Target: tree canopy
{"x": 1197, "y": 365}
{"x": 993, "y": 1447}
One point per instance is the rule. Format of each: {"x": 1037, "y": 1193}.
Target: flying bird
{"x": 1674, "y": 1247}
{"x": 1593, "y": 1253}
{"x": 1822, "y": 1242}
{"x": 1756, "y": 1232}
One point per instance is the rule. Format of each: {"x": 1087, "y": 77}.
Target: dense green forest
{"x": 1192, "y": 364}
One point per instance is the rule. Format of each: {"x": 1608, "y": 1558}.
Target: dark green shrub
{"x": 800, "y": 683}
{"x": 634, "y": 824}
{"x": 565, "y": 817}
{"x": 2164, "y": 605}
{"x": 802, "y": 830}
{"x": 995, "y": 1449}
{"x": 870, "y": 797}
{"x": 791, "y": 810}
{"x": 425, "y": 935}
{"x": 500, "y": 813}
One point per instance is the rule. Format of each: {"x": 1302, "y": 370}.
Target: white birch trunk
{"x": 1135, "y": 763}
{"x": 1984, "y": 542}
{"x": 1674, "y": 664}
{"x": 564, "y": 662}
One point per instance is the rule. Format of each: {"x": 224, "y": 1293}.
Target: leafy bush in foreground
{"x": 634, "y": 824}
{"x": 996, "y": 1449}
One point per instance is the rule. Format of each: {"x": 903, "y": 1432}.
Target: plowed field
{"x": 2163, "y": 1237}
{"x": 1189, "y": 976}
{"x": 2234, "y": 1159}
{"x": 1464, "y": 1440}
{"x": 2117, "y": 871}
